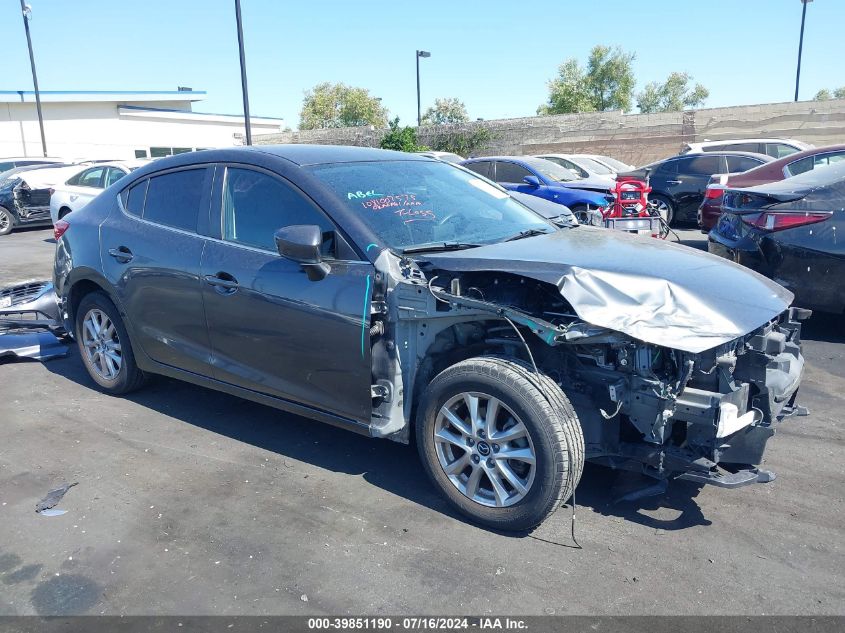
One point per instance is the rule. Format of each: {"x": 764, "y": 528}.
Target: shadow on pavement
{"x": 824, "y": 327}
{"x": 388, "y": 465}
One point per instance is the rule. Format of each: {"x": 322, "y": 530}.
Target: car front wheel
{"x": 664, "y": 207}
{"x": 104, "y": 345}
{"x": 7, "y": 221}
{"x": 500, "y": 442}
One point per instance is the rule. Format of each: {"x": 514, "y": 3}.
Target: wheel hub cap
{"x": 484, "y": 449}
{"x": 101, "y": 345}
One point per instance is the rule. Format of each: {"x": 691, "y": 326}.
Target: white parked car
{"x": 617, "y": 166}
{"x": 86, "y": 184}
{"x": 774, "y": 147}
{"x": 590, "y": 174}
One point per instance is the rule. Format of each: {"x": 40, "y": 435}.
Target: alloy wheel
{"x": 101, "y": 344}
{"x": 484, "y": 449}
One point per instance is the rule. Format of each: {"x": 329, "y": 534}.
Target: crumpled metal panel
{"x": 40, "y": 345}
{"x": 657, "y": 292}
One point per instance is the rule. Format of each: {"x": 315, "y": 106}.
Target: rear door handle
{"x": 121, "y": 254}
{"x": 674, "y": 182}
{"x": 224, "y": 283}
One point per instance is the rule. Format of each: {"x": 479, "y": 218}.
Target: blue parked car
{"x": 541, "y": 178}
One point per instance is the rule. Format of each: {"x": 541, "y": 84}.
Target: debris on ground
{"x": 53, "y": 497}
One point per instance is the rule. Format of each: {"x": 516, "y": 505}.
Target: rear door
{"x": 694, "y": 173}
{"x": 271, "y": 329}
{"x": 150, "y": 252}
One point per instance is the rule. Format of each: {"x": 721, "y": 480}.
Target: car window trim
{"x": 205, "y": 200}
{"x": 215, "y": 214}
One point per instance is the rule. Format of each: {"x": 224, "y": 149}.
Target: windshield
{"x": 416, "y": 203}
{"x": 591, "y": 165}
{"x": 550, "y": 170}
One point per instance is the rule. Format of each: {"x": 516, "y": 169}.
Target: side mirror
{"x": 532, "y": 180}
{"x": 301, "y": 243}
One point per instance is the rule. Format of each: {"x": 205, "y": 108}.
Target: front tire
{"x": 7, "y": 221}
{"x": 665, "y": 208}
{"x": 501, "y": 443}
{"x": 104, "y": 346}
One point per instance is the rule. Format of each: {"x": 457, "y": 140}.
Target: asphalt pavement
{"x": 190, "y": 501}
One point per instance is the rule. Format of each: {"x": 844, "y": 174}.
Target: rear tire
{"x": 509, "y": 472}
{"x": 105, "y": 347}
{"x": 7, "y": 221}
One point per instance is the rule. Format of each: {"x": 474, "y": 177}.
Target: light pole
{"x": 801, "y": 45}
{"x": 244, "y": 90}
{"x": 26, "y": 12}
{"x": 419, "y": 109}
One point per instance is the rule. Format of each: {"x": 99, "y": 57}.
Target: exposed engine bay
{"x": 662, "y": 411}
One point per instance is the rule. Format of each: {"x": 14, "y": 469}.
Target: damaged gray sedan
{"x": 395, "y": 295}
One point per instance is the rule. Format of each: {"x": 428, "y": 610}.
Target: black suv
{"x": 390, "y": 294}
{"x": 678, "y": 183}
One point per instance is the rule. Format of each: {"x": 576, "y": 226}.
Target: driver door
{"x": 271, "y": 329}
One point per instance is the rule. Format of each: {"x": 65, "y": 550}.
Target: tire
{"x": 7, "y": 221}
{"x": 665, "y": 207}
{"x": 109, "y": 359}
{"x": 534, "y": 419}
{"x": 581, "y": 214}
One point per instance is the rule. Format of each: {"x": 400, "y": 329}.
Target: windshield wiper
{"x": 439, "y": 246}
{"x": 526, "y": 233}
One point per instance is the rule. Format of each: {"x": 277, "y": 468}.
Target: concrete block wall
{"x": 633, "y": 138}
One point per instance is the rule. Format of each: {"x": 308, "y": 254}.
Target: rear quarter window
{"x": 133, "y": 198}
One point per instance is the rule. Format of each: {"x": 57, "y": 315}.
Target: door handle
{"x": 223, "y": 283}
{"x": 674, "y": 182}
{"x": 121, "y": 254}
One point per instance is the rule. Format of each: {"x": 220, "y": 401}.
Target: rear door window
{"x": 808, "y": 163}
{"x": 779, "y": 150}
{"x": 510, "y": 172}
{"x": 482, "y": 168}
{"x": 700, "y": 165}
{"x": 91, "y": 178}
{"x": 174, "y": 199}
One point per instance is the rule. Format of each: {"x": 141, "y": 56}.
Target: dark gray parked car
{"x": 389, "y": 293}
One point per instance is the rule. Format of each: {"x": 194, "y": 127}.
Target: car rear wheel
{"x": 665, "y": 208}
{"x": 501, "y": 443}
{"x": 7, "y": 221}
{"x": 104, "y": 346}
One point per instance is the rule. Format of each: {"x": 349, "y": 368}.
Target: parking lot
{"x": 190, "y": 501}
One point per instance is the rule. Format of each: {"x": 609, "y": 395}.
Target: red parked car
{"x": 781, "y": 169}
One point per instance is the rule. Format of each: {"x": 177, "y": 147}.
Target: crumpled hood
{"x": 661, "y": 293}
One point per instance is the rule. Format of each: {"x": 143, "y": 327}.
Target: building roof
{"x": 64, "y": 96}
{"x": 171, "y": 113}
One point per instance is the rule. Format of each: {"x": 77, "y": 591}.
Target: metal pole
{"x": 800, "y": 47}
{"x": 34, "y": 78}
{"x": 419, "y": 109}
{"x": 243, "y": 72}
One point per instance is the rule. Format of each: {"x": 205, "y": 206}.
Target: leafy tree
{"x": 329, "y": 105}
{"x": 445, "y": 111}
{"x": 674, "y": 94}
{"x": 824, "y": 94}
{"x": 606, "y": 83}
{"x": 464, "y": 142}
{"x": 403, "y": 139}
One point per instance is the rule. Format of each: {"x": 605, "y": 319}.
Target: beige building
{"x": 118, "y": 125}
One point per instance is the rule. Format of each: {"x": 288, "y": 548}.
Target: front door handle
{"x": 223, "y": 283}
{"x": 121, "y": 254}
{"x": 674, "y": 182}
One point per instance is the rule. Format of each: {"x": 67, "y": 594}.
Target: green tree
{"x": 824, "y": 94}
{"x": 464, "y": 142}
{"x": 606, "y": 83}
{"x": 329, "y": 105}
{"x": 403, "y": 139}
{"x": 445, "y": 111}
{"x": 676, "y": 93}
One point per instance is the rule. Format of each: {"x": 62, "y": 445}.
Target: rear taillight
{"x": 780, "y": 220}
{"x": 59, "y": 228}
{"x": 713, "y": 193}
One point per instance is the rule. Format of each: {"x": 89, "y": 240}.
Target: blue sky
{"x": 496, "y": 56}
